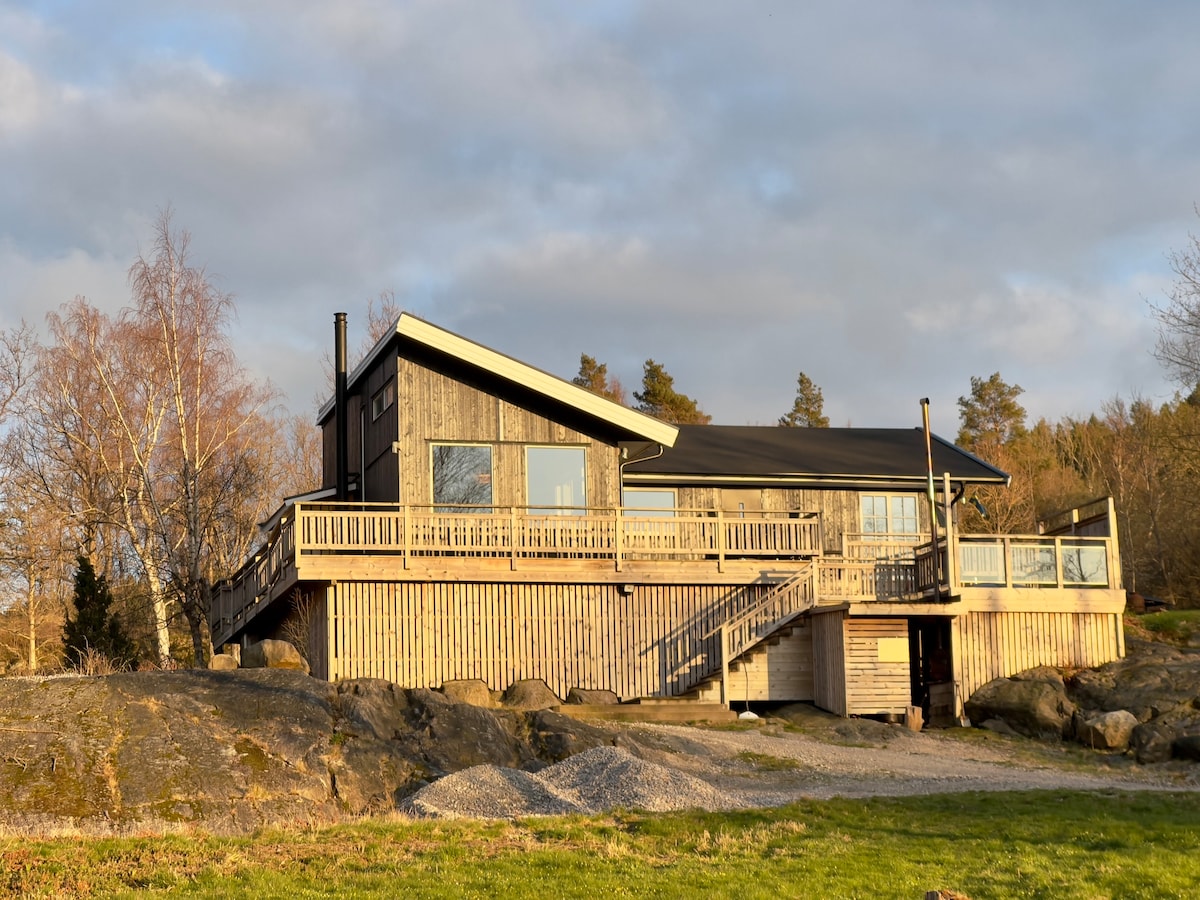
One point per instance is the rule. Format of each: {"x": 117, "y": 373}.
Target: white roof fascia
{"x": 421, "y": 332}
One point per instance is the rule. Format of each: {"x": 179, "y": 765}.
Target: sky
{"x": 891, "y": 197}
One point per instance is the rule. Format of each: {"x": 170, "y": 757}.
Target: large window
{"x": 649, "y": 502}
{"x": 556, "y": 479}
{"x": 462, "y": 476}
{"x": 889, "y": 514}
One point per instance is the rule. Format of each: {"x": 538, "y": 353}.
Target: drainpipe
{"x": 340, "y": 425}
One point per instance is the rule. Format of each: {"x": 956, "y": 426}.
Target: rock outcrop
{"x": 1147, "y": 703}
{"x": 240, "y": 749}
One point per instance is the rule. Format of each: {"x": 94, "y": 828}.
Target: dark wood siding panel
{"x": 329, "y": 443}
{"x": 378, "y": 459}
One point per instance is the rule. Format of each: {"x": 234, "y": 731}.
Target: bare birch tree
{"x": 212, "y": 412}
{"x": 16, "y": 352}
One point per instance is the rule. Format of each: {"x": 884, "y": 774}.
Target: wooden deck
{"x": 320, "y": 543}
{"x": 354, "y": 541}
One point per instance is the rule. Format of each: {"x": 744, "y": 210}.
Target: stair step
{"x": 652, "y": 709}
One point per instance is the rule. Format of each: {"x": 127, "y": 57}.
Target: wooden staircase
{"x": 742, "y": 634}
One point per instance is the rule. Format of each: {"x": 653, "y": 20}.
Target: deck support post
{"x": 725, "y": 666}
{"x": 720, "y": 540}
{"x": 512, "y": 537}
{"x": 618, "y": 529}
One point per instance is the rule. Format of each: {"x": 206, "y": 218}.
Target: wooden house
{"x": 489, "y": 520}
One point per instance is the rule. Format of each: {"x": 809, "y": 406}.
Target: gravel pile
{"x": 594, "y": 781}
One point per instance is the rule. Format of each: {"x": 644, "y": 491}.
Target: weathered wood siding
{"x": 840, "y": 510}
{"x": 318, "y": 633}
{"x": 829, "y": 661}
{"x": 439, "y": 408}
{"x": 990, "y": 645}
{"x": 421, "y": 634}
{"x": 780, "y": 669}
{"x": 878, "y": 679}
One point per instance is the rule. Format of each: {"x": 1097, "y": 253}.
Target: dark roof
{"x": 831, "y": 457}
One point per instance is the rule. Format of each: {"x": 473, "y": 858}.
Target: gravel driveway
{"x": 663, "y": 767}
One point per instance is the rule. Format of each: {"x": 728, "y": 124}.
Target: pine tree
{"x": 991, "y": 415}
{"x": 659, "y": 398}
{"x": 93, "y": 629}
{"x": 593, "y": 376}
{"x": 809, "y": 409}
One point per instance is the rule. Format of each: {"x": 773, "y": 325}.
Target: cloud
{"x": 890, "y": 198}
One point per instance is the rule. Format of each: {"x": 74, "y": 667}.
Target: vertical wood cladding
{"x": 438, "y": 408}
{"x": 650, "y": 642}
{"x": 829, "y": 662}
{"x": 999, "y": 644}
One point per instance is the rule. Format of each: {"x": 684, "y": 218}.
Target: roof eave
{"x": 505, "y": 367}
{"x": 899, "y": 482}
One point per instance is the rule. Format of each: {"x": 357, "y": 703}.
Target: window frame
{"x": 570, "y": 509}
{"x": 649, "y": 510}
{"x": 890, "y": 516}
{"x": 383, "y": 399}
{"x": 453, "y": 506}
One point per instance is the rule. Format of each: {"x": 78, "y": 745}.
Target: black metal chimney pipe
{"x": 340, "y": 424}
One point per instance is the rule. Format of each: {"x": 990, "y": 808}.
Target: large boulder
{"x": 1186, "y": 746}
{"x": 222, "y": 662}
{"x": 272, "y": 654}
{"x": 1151, "y": 742}
{"x": 529, "y": 694}
{"x": 1159, "y": 685}
{"x": 1038, "y": 709}
{"x": 1106, "y": 731}
{"x": 1151, "y": 680}
{"x": 469, "y": 690}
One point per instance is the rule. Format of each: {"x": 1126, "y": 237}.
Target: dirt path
{"x": 813, "y": 756}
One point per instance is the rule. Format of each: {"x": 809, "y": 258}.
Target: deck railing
{"x": 412, "y": 534}
{"x": 1019, "y": 561}
{"x": 520, "y": 533}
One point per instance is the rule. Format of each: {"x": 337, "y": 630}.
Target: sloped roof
{"x": 512, "y": 376}
{"x": 829, "y": 457}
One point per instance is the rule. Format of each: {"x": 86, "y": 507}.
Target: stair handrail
{"x": 804, "y": 575}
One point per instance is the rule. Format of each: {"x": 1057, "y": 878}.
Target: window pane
{"x": 555, "y": 478}
{"x": 904, "y": 515}
{"x": 874, "y": 515}
{"x": 462, "y": 476}
{"x": 649, "y": 502}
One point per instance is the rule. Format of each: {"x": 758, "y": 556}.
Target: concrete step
{"x": 651, "y": 709}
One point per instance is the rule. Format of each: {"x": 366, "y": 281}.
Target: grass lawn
{"x": 1029, "y": 844}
